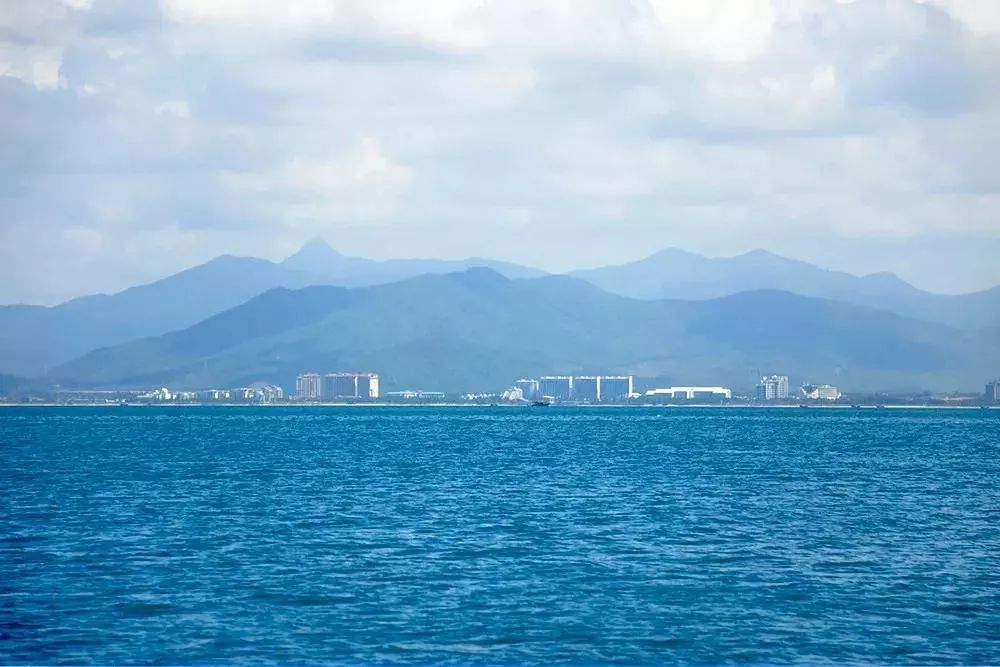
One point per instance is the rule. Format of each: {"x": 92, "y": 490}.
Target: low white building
{"x": 514, "y": 395}
{"x": 690, "y": 393}
{"x": 213, "y": 395}
{"x": 822, "y": 392}
{"x": 161, "y": 394}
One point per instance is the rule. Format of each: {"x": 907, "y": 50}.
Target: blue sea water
{"x": 499, "y": 535}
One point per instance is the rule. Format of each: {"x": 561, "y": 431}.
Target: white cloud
{"x": 445, "y": 23}
{"x": 37, "y": 66}
{"x": 982, "y": 17}
{"x": 177, "y": 108}
{"x": 609, "y": 127}
{"x": 365, "y": 167}
{"x": 363, "y": 184}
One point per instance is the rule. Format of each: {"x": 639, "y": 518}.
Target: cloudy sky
{"x": 140, "y": 137}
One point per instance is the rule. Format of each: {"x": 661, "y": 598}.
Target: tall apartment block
{"x": 367, "y": 386}
{"x": 559, "y": 387}
{"x": 308, "y": 386}
{"x": 993, "y": 391}
{"x": 773, "y": 388}
{"x": 529, "y": 389}
{"x": 615, "y": 387}
{"x": 363, "y": 386}
{"x": 584, "y": 388}
{"x": 587, "y": 388}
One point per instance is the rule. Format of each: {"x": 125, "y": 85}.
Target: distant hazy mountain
{"x": 479, "y": 330}
{"x": 33, "y": 339}
{"x": 318, "y": 258}
{"x": 679, "y": 274}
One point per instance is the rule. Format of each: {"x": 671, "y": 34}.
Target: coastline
{"x": 380, "y": 404}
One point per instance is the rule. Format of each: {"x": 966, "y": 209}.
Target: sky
{"x": 141, "y": 137}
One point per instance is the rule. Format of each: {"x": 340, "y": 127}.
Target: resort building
{"x": 689, "y": 394}
{"x": 822, "y": 392}
{"x": 529, "y": 388}
{"x": 308, "y": 387}
{"x": 558, "y": 387}
{"x": 615, "y": 387}
{"x": 773, "y": 388}
{"x": 368, "y": 386}
{"x": 415, "y": 395}
{"x": 587, "y": 388}
{"x": 359, "y": 386}
{"x": 583, "y": 388}
{"x": 993, "y": 391}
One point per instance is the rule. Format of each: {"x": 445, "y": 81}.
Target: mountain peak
{"x": 887, "y": 280}
{"x": 315, "y": 253}
{"x": 481, "y": 275}
{"x": 761, "y": 255}
{"x": 672, "y": 254}
{"x": 887, "y": 276}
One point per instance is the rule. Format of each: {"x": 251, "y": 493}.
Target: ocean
{"x": 499, "y": 535}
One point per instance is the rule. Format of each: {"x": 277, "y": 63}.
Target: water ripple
{"x": 490, "y": 536}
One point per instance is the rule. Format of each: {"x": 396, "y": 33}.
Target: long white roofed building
{"x": 689, "y": 393}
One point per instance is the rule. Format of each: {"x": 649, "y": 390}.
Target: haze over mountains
{"x": 36, "y": 338}
{"x": 479, "y": 329}
{"x": 677, "y": 274}
{"x": 319, "y": 259}
{"x": 464, "y": 331}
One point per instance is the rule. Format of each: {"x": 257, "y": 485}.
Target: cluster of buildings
{"x": 582, "y": 388}
{"x": 820, "y": 392}
{"x": 257, "y": 393}
{"x": 415, "y": 395}
{"x": 337, "y": 386}
{"x": 621, "y": 388}
{"x": 605, "y": 389}
{"x": 351, "y": 386}
{"x": 775, "y": 388}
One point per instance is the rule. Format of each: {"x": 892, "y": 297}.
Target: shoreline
{"x": 377, "y": 404}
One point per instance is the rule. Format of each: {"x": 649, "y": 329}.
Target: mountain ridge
{"x": 479, "y": 330}
{"x": 675, "y": 273}
{"x": 35, "y": 339}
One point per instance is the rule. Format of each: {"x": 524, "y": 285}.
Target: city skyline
{"x": 354, "y": 387}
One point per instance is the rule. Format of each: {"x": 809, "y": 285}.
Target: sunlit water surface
{"x": 499, "y": 535}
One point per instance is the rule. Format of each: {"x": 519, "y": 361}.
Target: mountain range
{"x": 318, "y": 259}
{"x": 477, "y": 328}
{"x": 34, "y": 339}
{"x": 677, "y": 274}
{"x": 40, "y": 341}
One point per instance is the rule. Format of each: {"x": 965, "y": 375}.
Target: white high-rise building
{"x": 529, "y": 388}
{"x": 993, "y": 391}
{"x": 615, "y": 387}
{"x": 308, "y": 386}
{"x": 558, "y": 387}
{"x": 368, "y": 386}
{"x": 773, "y": 388}
{"x": 587, "y": 388}
{"x": 360, "y": 386}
